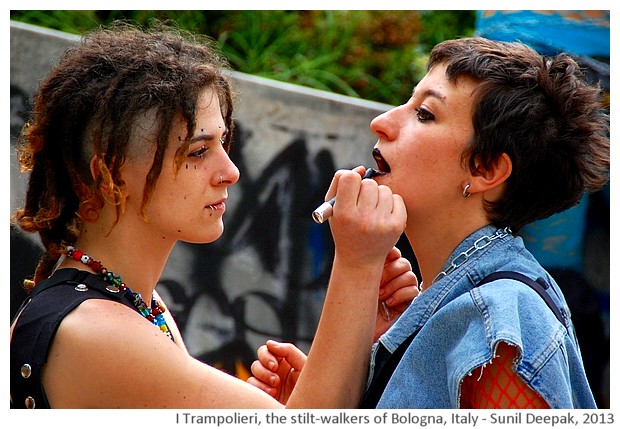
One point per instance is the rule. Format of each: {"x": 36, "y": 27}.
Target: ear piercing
{"x": 466, "y": 192}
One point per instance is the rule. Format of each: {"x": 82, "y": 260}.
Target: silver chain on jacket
{"x": 479, "y": 244}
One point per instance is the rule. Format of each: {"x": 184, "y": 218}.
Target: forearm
{"x": 367, "y": 221}
{"x": 335, "y": 372}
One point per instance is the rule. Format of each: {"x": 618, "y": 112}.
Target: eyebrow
{"x": 431, "y": 93}
{"x": 202, "y": 137}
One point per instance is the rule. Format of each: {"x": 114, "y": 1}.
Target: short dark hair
{"x": 539, "y": 111}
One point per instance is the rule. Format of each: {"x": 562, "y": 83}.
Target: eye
{"x": 198, "y": 153}
{"x": 424, "y": 115}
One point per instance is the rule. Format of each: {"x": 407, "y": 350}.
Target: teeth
{"x": 381, "y": 163}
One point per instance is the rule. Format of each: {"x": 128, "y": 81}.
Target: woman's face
{"x": 420, "y": 144}
{"x": 187, "y": 205}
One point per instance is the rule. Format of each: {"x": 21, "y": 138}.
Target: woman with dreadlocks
{"x": 128, "y": 152}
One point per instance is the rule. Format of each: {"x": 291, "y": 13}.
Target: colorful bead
{"x": 95, "y": 265}
{"x": 154, "y": 314}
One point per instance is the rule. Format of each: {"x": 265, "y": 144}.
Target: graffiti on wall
{"x": 264, "y": 278}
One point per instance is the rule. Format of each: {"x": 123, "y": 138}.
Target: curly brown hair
{"x": 89, "y": 104}
{"x": 542, "y": 113}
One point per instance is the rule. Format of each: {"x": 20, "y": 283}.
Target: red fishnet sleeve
{"x": 497, "y": 385}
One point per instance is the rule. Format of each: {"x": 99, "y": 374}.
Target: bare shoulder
{"x": 106, "y": 355}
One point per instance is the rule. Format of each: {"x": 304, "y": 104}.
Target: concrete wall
{"x": 266, "y": 277}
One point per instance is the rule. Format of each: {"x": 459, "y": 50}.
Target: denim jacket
{"x": 459, "y": 327}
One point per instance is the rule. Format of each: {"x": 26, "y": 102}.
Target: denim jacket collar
{"x": 429, "y": 301}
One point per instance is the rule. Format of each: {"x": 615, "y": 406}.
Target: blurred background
{"x": 376, "y": 56}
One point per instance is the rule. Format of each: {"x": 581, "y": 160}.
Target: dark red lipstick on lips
{"x": 382, "y": 165}
{"x": 325, "y": 210}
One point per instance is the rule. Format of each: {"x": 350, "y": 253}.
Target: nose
{"x": 384, "y": 125}
{"x": 228, "y": 174}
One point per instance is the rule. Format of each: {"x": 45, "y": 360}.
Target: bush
{"x": 374, "y": 55}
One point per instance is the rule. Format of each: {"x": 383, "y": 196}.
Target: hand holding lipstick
{"x": 366, "y": 213}
{"x": 325, "y": 210}
{"x": 366, "y": 224}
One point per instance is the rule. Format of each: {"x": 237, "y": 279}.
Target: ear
{"x": 95, "y": 166}
{"x": 492, "y": 179}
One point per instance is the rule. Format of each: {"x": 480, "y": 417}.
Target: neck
{"x": 433, "y": 245}
{"x": 136, "y": 257}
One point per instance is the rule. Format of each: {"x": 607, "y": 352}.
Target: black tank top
{"x": 38, "y": 320}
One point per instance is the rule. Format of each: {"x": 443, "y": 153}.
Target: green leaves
{"x": 375, "y": 55}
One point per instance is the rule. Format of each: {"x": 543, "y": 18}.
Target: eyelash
{"x": 203, "y": 149}
{"x": 198, "y": 153}
{"x": 424, "y": 115}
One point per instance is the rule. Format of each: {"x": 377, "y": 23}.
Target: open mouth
{"x": 382, "y": 165}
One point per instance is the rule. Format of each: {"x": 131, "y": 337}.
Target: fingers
{"x": 354, "y": 179}
{"x": 399, "y": 210}
{"x": 395, "y": 295}
{"x": 401, "y": 297}
{"x": 393, "y": 254}
{"x": 293, "y": 356}
{"x": 277, "y": 369}
{"x": 267, "y": 358}
{"x": 394, "y": 267}
{"x": 365, "y": 199}
{"x": 399, "y": 284}
{"x": 264, "y": 370}
{"x": 367, "y": 218}
{"x": 275, "y": 358}
{"x": 401, "y": 289}
{"x": 331, "y": 192}
{"x": 271, "y": 391}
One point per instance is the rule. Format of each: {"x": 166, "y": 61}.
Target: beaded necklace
{"x": 115, "y": 285}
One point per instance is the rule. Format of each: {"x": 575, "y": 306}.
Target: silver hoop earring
{"x": 221, "y": 179}
{"x": 466, "y": 192}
